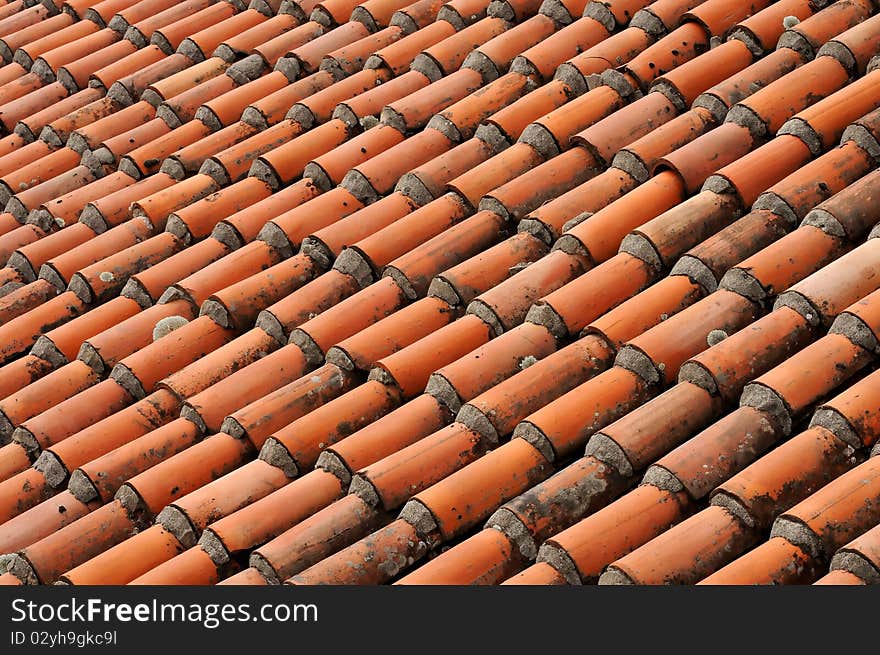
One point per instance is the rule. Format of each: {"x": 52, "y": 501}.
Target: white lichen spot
{"x": 790, "y": 21}
{"x": 167, "y": 325}
{"x": 808, "y": 316}
{"x": 664, "y": 316}
{"x": 60, "y": 222}
{"x": 661, "y": 366}
{"x": 527, "y": 361}
{"x": 716, "y": 336}
{"x": 315, "y": 379}
{"x": 105, "y": 276}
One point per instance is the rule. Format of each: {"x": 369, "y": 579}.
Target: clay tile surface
{"x": 429, "y": 292}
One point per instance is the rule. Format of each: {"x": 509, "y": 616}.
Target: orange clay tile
{"x": 762, "y": 30}
{"x": 730, "y": 141}
{"x": 104, "y": 279}
{"x": 377, "y": 250}
{"x": 559, "y": 125}
{"x": 103, "y": 476}
{"x": 13, "y": 111}
{"x": 497, "y": 411}
{"x": 599, "y": 235}
{"x": 395, "y": 478}
{"x": 556, "y": 503}
{"x": 239, "y": 303}
{"x": 427, "y": 182}
{"x": 848, "y": 211}
{"x": 585, "y": 549}
{"x": 273, "y": 108}
{"x": 44, "y": 393}
{"x": 21, "y": 332}
{"x": 105, "y": 349}
{"x": 686, "y": 82}
{"x": 413, "y": 112}
{"x": 244, "y": 225}
{"x": 109, "y": 433}
{"x": 814, "y": 248}
{"x": 564, "y": 425}
{"x": 390, "y": 334}
{"x": 72, "y": 415}
{"x": 45, "y": 561}
{"x": 448, "y": 55}
{"x": 237, "y": 45}
{"x": 643, "y": 311}
{"x": 141, "y": 370}
{"x": 855, "y": 407}
{"x": 859, "y": 44}
{"x": 785, "y": 476}
{"x": 537, "y": 574}
{"x": 463, "y": 282}
{"x": 839, "y": 577}
{"x": 302, "y": 440}
{"x": 192, "y": 567}
{"x": 305, "y": 304}
{"x": 319, "y": 333}
{"x": 494, "y": 172}
{"x": 486, "y": 558}
{"x": 774, "y": 562}
{"x": 591, "y": 196}
{"x": 190, "y": 159}
{"x": 148, "y": 286}
{"x": 399, "y": 55}
{"x": 49, "y": 516}
{"x": 59, "y": 269}
{"x": 655, "y": 427}
{"x": 415, "y": 270}
{"x": 829, "y": 362}
{"x": 272, "y": 514}
{"x": 860, "y": 557}
{"x": 329, "y": 169}
{"x": 564, "y": 311}
{"x": 682, "y": 45}
{"x": 25, "y": 298}
{"x": 127, "y": 560}
{"x": 383, "y": 169}
{"x": 286, "y": 163}
{"x": 18, "y": 374}
{"x": 374, "y": 559}
{"x": 639, "y": 157}
{"x": 686, "y": 553}
{"x": 318, "y": 536}
{"x": 722, "y": 310}
{"x": 672, "y": 233}
{"x": 726, "y": 367}
{"x": 60, "y": 161}
{"x": 149, "y": 491}
{"x": 350, "y": 58}
{"x": 136, "y": 61}
{"x": 565, "y": 44}
{"x": 259, "y": 419}
{"x": 505, "y": 305}
{"x": 488, "y": 365}
{"x": 113, "y": 209}
{"x": 156, "y": 207}
{"x": 833, "y": 515}
{"x": 195, "y": 221}
{"x": 188, "y": 516}
{"x": 327, "y": 243}
{"x": 320, "y": 106}
{"x": 842, "y": 282}
{"x": 396, "y": 430}
{"x": 769, "y": 108}
{"x": 306, "y": 58}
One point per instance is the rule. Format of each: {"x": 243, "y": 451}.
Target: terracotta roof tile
{"x": 526, "y": 157}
